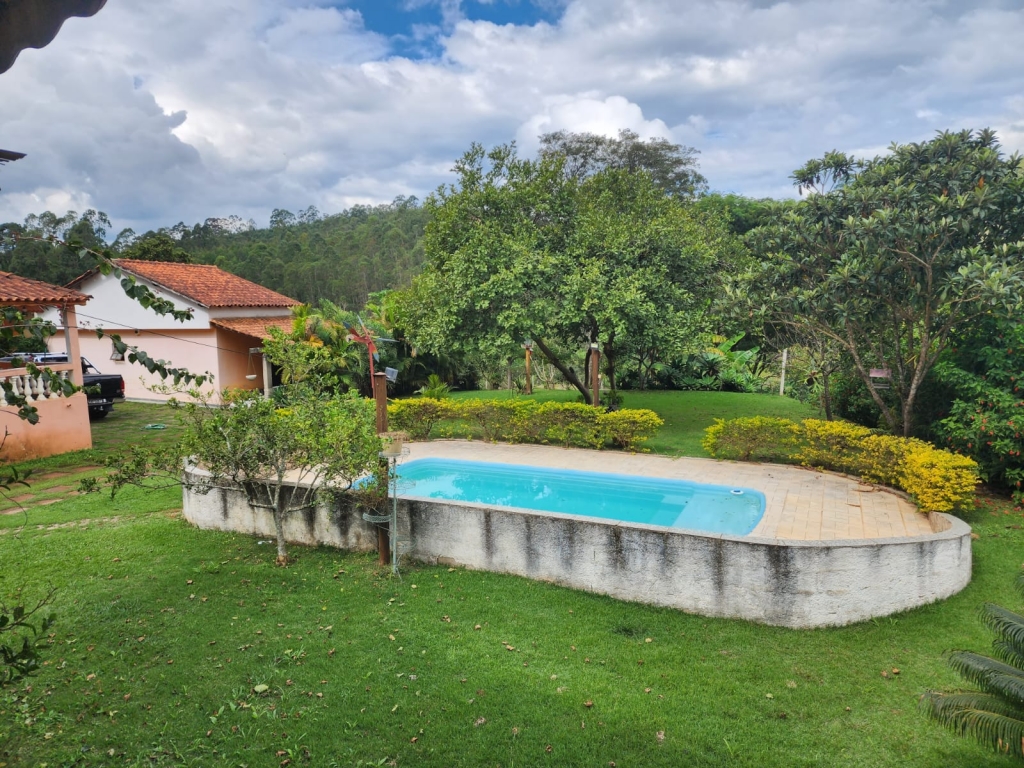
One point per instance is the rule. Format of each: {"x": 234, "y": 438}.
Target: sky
{"x": 187, "y": 109}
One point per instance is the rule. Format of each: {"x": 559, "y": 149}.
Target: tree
{"x": 886, "y": 258}
{"x": 283, "y": 457}
{"x": 994, "y": 715}
{"x": 672, "y": 167}
{"x": 156, "y": 246}
{"x": 519, "y": 249}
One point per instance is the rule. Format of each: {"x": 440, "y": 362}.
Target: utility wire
{"x": 155, "y": 333}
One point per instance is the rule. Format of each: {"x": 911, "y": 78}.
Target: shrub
{"x": 507, "y": 421}
{"x": 526, "y": 421}
{"x": 571, "y": 424}
{"x": 418, "y": 416}
{"x": 986, "y": 420}
{"x": 758, "y": 438}
{"x": 831, "y": 445}
{"x": 629, "y": 428}
{"x": 939, "y": 481}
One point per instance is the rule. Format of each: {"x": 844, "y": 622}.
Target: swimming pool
{"x": 627, "y": 498}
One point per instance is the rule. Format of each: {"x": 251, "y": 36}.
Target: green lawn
{"x": 686, "y": 414}
{"x": 165, "y": 631}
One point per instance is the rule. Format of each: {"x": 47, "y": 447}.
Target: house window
{"x": 115, "y": 355}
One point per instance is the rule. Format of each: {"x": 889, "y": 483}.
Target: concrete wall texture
{"x": 63, "y": 426}
{"x": 798, "y": 584}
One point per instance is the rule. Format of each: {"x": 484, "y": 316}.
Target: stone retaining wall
{"x": 799, "y": 584}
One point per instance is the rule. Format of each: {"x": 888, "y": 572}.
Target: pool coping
{"x": 801, "y": 503}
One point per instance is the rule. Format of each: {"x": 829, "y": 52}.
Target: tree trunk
{"x": 609, "y": 372}
{"x": 279, "y": 512}
{"x": 826, "y": 395}
{"x": 568, "y": 373}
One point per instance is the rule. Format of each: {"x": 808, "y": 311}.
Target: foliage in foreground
{"x": 283, "y": 458}
{"x": 526, "y": 421}
{"x": 21, "y": 626}
{"x": 939, "y": 481}
{"x": 994, "y": 715}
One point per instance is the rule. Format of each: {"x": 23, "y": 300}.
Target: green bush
{"x": 629, "y": 428}
{"x": 526, "y": 421}
{"x": 757, "y": 438}
{"x": 418, "y": 416}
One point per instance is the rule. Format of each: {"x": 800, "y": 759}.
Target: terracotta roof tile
{"x": 15, "y": 289}
{"x": 205, "y": 284}
{"x": 257, "y": 327}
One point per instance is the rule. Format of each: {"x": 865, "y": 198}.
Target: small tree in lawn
{"x": 283, "y": 458}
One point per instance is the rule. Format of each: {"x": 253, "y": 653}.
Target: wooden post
{"x": 380, "y": 397}
{"x": 595, "y": 379}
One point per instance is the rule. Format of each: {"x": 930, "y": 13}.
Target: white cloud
{"x": 587, "y": 114}
{"x": 160, "y": 112}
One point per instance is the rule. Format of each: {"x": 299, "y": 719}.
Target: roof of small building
{"x": 257, "y": 327}
{"x": 24, "y": 291}
{"x": 205, "y": 284}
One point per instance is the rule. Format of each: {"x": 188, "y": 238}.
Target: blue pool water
{"x": 627, "y": 498}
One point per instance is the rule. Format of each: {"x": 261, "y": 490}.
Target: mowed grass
{"x": 686, "y": 414}
{"x": 166, "y": 635}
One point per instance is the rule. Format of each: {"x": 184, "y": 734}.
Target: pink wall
{"x": 63, "y": 426}
{"x": 195, "y": 350}
{"x": 223, "y": 353}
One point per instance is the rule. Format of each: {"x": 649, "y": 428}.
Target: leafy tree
{"x": 672, "y": 167}
{"x": 986, "y": 418}
{"x": 887, "y": 258}
{"x": 156, "y": 246}
{"x": 994, "y": 715}
{"x": 518, "y": 249}
{"x": 283, "y": 458}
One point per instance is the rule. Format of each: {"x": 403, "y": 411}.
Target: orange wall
{"x": 63, "y": 426}
{"x": 234, "y": 361}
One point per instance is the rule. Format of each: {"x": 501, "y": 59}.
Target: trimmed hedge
{"x": 939, "y": 481}
{"x": 524, "y": 421}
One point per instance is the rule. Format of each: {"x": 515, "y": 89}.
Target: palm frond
{"x": 1008, "y": 653}
{"x": 990, "y": 674}
{"x": 989, "y": 719}
{"x": 1007, "y": 624}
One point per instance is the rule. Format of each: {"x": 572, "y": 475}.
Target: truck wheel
{"x": 97, "y": 415}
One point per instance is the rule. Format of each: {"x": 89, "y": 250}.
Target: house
{"x": 230, "y": 319}
{"x": 63, "y": 421}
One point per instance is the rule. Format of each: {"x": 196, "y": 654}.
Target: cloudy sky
{"x": 159, "y": 112}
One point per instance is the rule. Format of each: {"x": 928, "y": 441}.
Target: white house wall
{"x": 111, "y": 309}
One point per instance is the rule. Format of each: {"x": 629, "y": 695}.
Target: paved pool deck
{"x": 801, "y": 503}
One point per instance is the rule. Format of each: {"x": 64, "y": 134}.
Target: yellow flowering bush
{"x": 757, "y": 438}
{"x": 939, "y": 481}
{"x": 831, "y": 444}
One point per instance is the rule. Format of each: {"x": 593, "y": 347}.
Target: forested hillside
{"x": 309, "y": 256}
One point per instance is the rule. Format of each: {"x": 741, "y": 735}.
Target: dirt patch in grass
{"x": 50, "y": 475}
